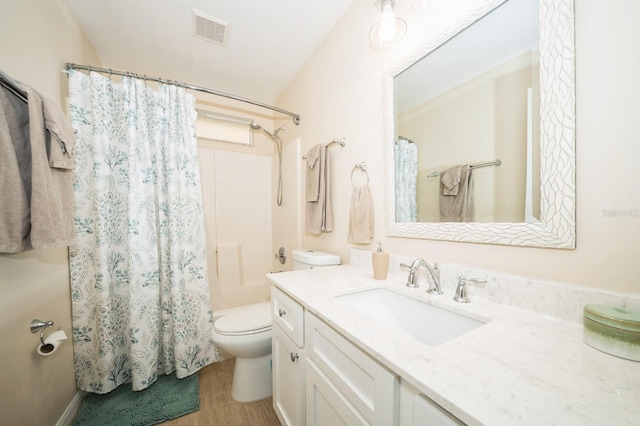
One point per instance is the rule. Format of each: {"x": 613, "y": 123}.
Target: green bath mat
{"x": 166, "y": 399}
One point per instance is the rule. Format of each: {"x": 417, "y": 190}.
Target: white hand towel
{"x": 361, "y": 216}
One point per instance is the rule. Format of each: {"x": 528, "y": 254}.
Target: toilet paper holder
{"x": 38, "y": 325}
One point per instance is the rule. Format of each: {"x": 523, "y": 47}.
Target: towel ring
{"x": 363, "y": 168}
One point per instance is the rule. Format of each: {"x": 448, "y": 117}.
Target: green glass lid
{"x": 614, "y": 316}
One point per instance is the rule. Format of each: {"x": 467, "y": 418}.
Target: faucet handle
{"x": 462, "y": 295}
{"x": 412, "y": 282}
{"x": 479, "y": 282}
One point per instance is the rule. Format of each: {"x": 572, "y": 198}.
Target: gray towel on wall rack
{"x": 319, "y": 214}
{"x": 313, "y": 173}
{"x": 36, "y": 211}
{"x": 456, "y": 198}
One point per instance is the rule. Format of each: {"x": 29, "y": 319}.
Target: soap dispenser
{"x": 380, "y": 262}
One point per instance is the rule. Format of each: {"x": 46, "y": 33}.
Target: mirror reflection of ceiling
{"x": 481, "y": 49}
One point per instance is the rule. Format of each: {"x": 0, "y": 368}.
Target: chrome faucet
{"x": 412, "y": 280}
{"x": 462, "y": 295}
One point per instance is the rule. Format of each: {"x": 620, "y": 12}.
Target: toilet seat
{"x": 253, "y": 319}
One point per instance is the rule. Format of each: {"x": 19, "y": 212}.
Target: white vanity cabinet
{"x": 287, "y": 355}
{"x": 320, "y": 378}
{"x": 343, "y": 384}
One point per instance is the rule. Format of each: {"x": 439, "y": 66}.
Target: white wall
{"x": 36, "y": 39}
{"x": 338, "y": 93}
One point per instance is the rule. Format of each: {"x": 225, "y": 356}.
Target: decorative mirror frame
{"x": 556, "y": 228}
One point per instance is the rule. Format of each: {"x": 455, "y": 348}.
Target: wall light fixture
{"x": 389, "y": 29}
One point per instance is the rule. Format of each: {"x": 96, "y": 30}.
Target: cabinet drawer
{"x": 417, "y": 410}
{"x": 369, "y": 387}
{"x": 289, "y": 315}
{"x": 427, "y": 412}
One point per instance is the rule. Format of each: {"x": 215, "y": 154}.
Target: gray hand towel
{"x": 450, "y": 179}
{"x": 313, "y": 173}
{"x": 456, "y": 207}
{"x": 319, "y": 214}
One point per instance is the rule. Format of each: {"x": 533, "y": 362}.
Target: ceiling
{"x": 268, "y": 41}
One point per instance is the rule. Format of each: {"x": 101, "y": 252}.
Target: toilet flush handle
{"x": 293, "y": 356}
{"x": 282, "y": 312}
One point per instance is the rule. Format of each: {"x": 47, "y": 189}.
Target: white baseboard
{"x": 72, "y": 410}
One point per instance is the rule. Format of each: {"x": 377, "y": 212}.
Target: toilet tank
{"x": 312, "y": 259}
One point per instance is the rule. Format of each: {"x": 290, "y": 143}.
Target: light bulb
{"x": 387, "y": 22}
{"x": 388, "y": 30}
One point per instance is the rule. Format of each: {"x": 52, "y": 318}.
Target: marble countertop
{"x": 519, "y": 368}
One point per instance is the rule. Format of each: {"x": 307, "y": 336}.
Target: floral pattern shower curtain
{"x": 406, "y": 167}
{"x": 140, "y": 293}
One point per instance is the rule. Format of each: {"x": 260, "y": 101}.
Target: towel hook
{"x": 363, "y": 168}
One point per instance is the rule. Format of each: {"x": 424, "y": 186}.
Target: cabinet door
{"x": 288, "y": 379}
{"x": 368, "y": 386}
{"x": 326, "y": 405}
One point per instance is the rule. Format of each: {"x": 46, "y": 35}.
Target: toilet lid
{"x": 247, "y": 320}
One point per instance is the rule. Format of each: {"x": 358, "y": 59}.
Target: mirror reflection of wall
{"x": 468, "y": 103}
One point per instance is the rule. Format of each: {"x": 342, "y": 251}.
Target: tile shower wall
{"x": 237, "y": 199}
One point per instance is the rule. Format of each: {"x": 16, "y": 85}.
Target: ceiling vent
{"x": 210, "y": 28}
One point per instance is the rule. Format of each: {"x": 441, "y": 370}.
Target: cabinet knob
{"x": 282, "y": 312}
{"x": 293, "y": 357}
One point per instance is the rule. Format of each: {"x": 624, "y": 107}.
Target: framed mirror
{"x": 519, "y": 141}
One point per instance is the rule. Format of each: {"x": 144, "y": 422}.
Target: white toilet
{"x": 246, "y": 334}
{"x": 313, "y": 259}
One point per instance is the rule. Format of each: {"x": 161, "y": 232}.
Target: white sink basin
{"x": 428, "y": 323}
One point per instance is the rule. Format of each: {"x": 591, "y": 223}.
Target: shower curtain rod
{"x": 295, "y": 117}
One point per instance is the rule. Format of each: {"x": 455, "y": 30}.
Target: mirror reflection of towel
{"x": 450, "y": 179}
{"x": 456, "y": 194}
{"x": 361, "y": 216}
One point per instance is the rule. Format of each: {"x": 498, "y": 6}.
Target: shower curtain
{"x": 140, "y": 293}
{"x": 406, "y": 176}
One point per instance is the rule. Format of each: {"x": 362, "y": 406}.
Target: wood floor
{"x": 218, "y": 408}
